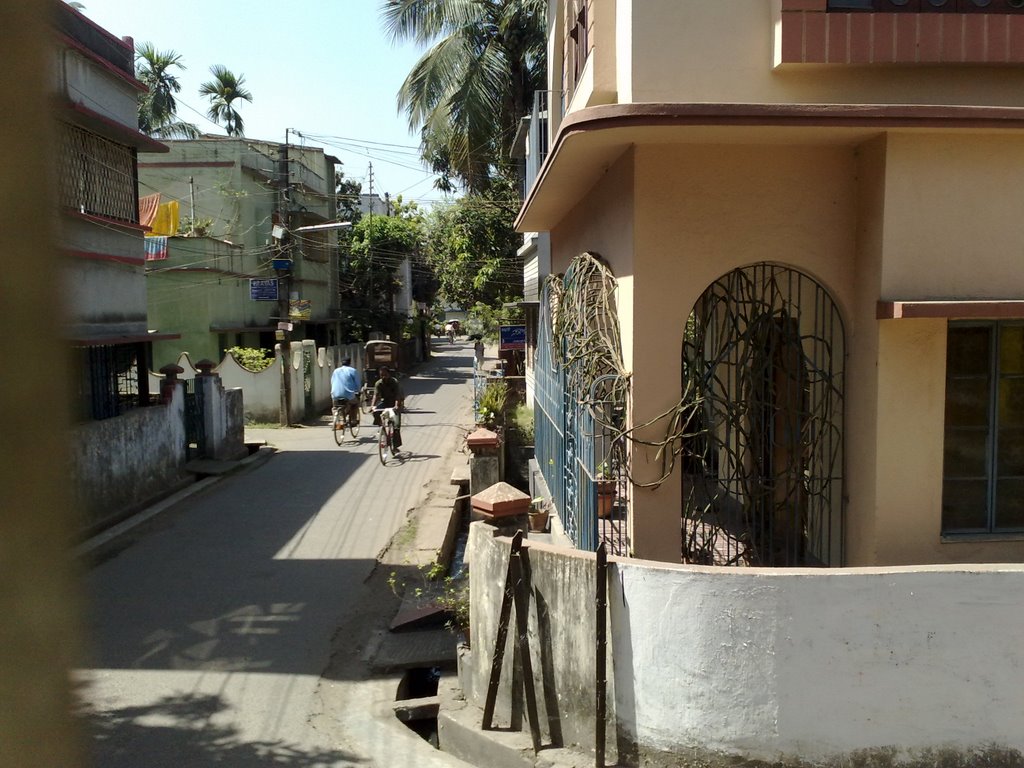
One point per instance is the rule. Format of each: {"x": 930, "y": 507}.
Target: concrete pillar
{"x": 485, "y": 459}
{"x": 502, "y": 506}
{"x": 170, "y": 381}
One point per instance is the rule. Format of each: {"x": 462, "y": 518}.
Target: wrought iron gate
{"x": 763, "y": 358}
{"x": 577, "y": 444}
{"x": 195, "y": 429}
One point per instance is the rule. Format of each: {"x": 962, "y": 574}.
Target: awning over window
{"x": 971, "y": 309}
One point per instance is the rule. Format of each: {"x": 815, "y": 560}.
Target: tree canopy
{"x": 468, "y": 92}
{"x": 223, "y": 91}
{"x": 369, "y": 281}
{"x": 158, "y": 109}
{"x": 473, "y": 249}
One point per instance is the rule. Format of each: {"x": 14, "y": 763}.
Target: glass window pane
{"x": 964, "y": 505}
{"x": 1011, "y": 452}
{"x": 1009, "y": 504}
{"x": 966, "y": 453}
{"x": 1011, "y": 403}
{"x": 967, "y": 350}
{"x": 967, "y": 402}
{"x": 1011, "y": 349}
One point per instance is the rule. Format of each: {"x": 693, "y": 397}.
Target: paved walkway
{"x": 233, "y": 629}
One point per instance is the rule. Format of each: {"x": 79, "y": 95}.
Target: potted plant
{"x": 606, "y": 492}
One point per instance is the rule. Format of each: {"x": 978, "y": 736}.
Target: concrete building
{"x": 808, "y": 211}
{"x": 100, "y": 235}
{"x": 231, "y": 189}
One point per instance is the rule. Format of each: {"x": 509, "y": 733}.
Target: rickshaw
{"x": 376, "y": 354}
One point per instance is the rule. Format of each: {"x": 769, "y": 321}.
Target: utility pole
{"x": 284, "y": 281}
{"x": 191, "y": 206}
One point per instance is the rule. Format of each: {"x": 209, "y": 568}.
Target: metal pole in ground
{"x": 602, "y": 646}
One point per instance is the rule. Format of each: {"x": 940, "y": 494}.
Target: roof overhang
{"x": 113, "y": 340}
{"x": 590, "y": 140}
{"x": 968, "y": 309}
{"x": 103, "y": 125}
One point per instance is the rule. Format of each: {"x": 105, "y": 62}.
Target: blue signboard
{"x": 263, "y": 290}
{"x": 512, "y": 337}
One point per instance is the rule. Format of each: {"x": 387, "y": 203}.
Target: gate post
{"x": 170, "y": 381}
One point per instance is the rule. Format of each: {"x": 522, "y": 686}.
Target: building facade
{"x": 807, "y": 211}
{"x": 231, "y": 193}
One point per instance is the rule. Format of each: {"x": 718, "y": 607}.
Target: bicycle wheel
{"x": 383, "y": 443}
{"x": 338, "y": 427}
{"x": 365, "y": 398}
{"x": 353, "y": 423}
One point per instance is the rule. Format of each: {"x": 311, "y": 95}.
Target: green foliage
{"x": 468, "y": 92}
{"x": 484, "y": 320}
{"x": 519, "y": 429}
{"x": 377, "y": 246}
{"x": 157, "y": 106}
{"x": 223, "y": 91}
{"x": 473, "y": 248}
{"x": 252, "y": 359}
{"x": 493, "y": 402}
{"x": 446, "y": 592}
{"x": 348, "y": 192}
{"x": 197, "y": 228}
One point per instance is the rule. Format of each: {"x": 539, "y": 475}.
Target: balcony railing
{"x": 97, "y": 176}
{"x": 537, "y": 149}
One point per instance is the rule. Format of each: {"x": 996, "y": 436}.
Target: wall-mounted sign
{"x": 511, "y": 337}
{"x": 263, "y": 289}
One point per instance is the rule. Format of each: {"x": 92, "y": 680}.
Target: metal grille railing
{"x": 584, "y": 465}
{"x": 763, "y": 430}
{"x": 115, "y": 380}
{"x": 97, "y": 175}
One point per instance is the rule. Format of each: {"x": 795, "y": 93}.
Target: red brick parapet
{"x": 813, "y": 35}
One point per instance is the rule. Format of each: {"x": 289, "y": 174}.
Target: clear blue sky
{"x": 324, "y": 68}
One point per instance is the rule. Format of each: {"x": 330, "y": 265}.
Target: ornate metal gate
{"x": 195, "y": 430}
{"x": 763, "y": 358}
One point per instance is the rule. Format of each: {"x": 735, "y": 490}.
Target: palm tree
{"x": 157, "y": 107}
{"x": 224, "y": 90}
{"x": 468, "y": 92}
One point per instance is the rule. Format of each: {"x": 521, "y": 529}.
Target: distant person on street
{"x": 478, "y": 352}
{"x": 345, "y": 386}
{"x": 387, "y": 393}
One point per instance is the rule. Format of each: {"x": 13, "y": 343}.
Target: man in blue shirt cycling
{"x": 345, "y": 386}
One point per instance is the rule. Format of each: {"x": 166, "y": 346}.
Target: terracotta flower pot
{"x": 605, "y": 498}
{"x": 539, "y": 520}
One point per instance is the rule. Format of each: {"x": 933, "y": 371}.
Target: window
{"x": 983, "y": 466}
{"x": 97, "y": 175}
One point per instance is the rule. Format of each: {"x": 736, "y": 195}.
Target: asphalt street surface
{"x": 211, "y": 626}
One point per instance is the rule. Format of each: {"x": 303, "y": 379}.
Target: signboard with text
{"x": 263, "y": 289}
{"x": 511, "y": 337}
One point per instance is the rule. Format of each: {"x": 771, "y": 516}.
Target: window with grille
{"x": 983, "y": 466}
{"x": 115, "y": 380}
{"x": 97, "y": 176}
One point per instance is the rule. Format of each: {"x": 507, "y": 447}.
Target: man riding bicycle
{"x": 387, "y": 393}
{"x": 345, "y": 386}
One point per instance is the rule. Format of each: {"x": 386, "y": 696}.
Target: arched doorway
{"x": 763, "y": 359}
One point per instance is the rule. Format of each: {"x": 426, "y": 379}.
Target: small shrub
{"x": 251, "y": 359}
{"x": 519, "y": 430}
{"x": 493, "y": 402}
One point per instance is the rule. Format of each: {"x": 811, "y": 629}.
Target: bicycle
{"x": 339, "y": 410}
{"x": 385, "y": 435}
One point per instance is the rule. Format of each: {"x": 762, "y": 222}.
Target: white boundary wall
{"x": 796, "y": 666}
{"x": 262, "y": 389}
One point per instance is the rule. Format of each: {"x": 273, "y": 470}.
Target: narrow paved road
{"x": 211, "y": 627}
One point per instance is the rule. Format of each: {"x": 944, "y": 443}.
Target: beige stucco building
{"x": 828, "y": 192}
